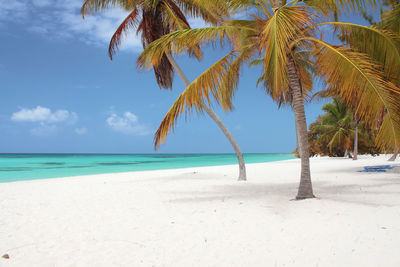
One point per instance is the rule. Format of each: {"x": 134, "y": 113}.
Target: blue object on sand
{"x": 381, "y": 168}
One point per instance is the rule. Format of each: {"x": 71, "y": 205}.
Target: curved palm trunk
{"x": 355, "y": 152}
{"x": 217, "y": 120}
{"x": 305, "y": 188}
{"x": 396, "y": 152}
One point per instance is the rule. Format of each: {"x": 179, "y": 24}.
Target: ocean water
{"x": 20, "y": 167}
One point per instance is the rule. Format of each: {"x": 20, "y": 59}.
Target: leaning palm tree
{"x": 287, "y": 38}
{"x": 152, "y": 20}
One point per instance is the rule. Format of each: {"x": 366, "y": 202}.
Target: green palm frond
{"x": 95, "y": 6}
{"x": 388, "y": 134}
{"x": 181, "y": 41}
{"x": 195, "y": 96}
{"x": 210, "y": 11}
{"x": 360, "y": 84}
{"x": 237, "y": 5}
{"x": 306, "y": 70}
{"x": 336, "y": 125}
{"x": 382, "y": 45}
{"x": 391, "y": 19}
{"x": 285, "y": 26}
{"x": 337, "y": 7}
{"x": 230, "y": 80}
{"x": 176, "y": 20}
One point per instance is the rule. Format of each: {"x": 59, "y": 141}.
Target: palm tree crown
{"x": 337, "y": 125}
{"x": 152, "y": 19}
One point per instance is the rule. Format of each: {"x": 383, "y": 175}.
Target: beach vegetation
{"x": 335, "y": 133}
{"x": 287, "y": 39}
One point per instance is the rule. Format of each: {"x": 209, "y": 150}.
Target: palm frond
{"x": 95, "y": 6}
{"x": 195, "y": 96}
{"x": 359, "y": 83}
{"x": 181, "y": 41}
{"x": 391, "y": 18}
{"x": 131, "y": 21}
{"x": 382, "y": 45}
{"x": 276, "y": 37}
{"x": 212, "y": 12}
{"x": 176, "y": 20}
{"x": 337, "y": 7}
{"x": 229, "y": 82}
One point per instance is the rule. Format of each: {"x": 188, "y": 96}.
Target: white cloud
{"x": 61, "y": 19}
{"x": 127, "y": 124}
{"x": 41, "y": 114}
{"x": 81, "y": 131}
{"x": 57, "y": 19}
{"x": 48, "y": 122}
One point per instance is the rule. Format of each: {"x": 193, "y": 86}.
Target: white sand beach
{"x": 204, "y": 217}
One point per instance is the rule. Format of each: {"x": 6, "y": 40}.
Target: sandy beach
{"x": 204, "y": 217}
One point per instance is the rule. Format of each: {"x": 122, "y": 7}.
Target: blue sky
{"x": 62, "y": 94}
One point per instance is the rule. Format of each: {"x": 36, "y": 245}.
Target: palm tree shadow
{"x": 239, "y": 191}
{"x": 372, "y": 192}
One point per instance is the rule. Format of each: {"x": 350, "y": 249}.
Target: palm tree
{"x": 336, "y": 126}
{"x": 289, "y": 38}
{"x": 328, "y": 127}
{"x": 153, "y": 19}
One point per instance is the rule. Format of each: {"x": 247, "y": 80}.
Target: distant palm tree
{"x": 289, "y": 38}
{"x": 153, "y": 19}
{"x": 337, "y": 126}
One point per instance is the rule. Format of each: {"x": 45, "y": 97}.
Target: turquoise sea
{"x": 21, "y": 167}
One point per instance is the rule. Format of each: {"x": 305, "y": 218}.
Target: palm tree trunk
{"x": 355, "y": 151}
{"x": 216, "y": 119}
{"x": 297, "y": 140}
{"x": 305, "y": 187}
{"x": 396, "y": 152}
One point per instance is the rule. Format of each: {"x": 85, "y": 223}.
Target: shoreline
{"x": 179, "y": 170}
{"x": 203, "y": 216}
{"x": 158, "y": 172}
{"x": 164, "y": 168}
